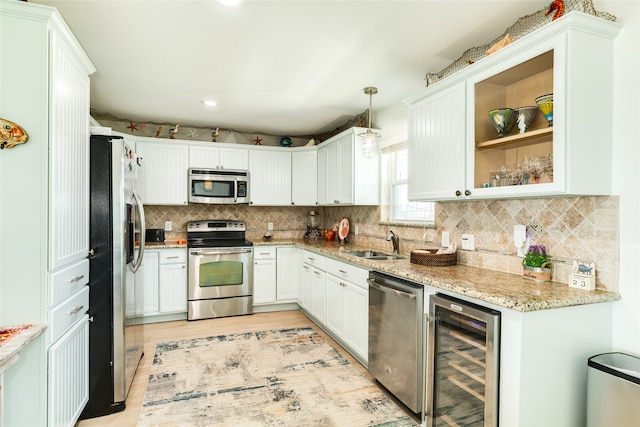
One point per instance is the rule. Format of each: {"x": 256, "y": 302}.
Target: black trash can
{"x": 613, "y": 390}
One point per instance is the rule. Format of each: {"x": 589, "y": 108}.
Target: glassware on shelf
{"x": 536, "y": 168}
{"x": 503, "y": 120}
{"x": 548, "y": 167}
{"x": 545, "y": 103}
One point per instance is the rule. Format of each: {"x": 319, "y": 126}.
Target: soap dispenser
{"x": 520, "y": 239}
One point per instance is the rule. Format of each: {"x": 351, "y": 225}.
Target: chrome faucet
{"x": 395, "y": 240}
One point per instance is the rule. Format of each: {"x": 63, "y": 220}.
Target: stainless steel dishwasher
{"x": 396, "y": 337}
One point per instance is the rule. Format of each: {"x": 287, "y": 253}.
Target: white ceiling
{"x": 294, "y": 67}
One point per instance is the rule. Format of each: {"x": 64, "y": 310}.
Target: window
{"x": 395, "y": 176}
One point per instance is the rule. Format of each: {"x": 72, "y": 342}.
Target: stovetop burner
{"x": 216, "y": 233}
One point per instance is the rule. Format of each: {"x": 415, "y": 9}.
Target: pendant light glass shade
{"x": 369, "y": 146}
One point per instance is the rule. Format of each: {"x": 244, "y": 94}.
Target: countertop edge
{"x": 526, "y": 295}
{"x": 10, "y": 350}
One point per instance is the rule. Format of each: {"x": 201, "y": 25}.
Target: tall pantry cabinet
{"x": 44, "y": 214}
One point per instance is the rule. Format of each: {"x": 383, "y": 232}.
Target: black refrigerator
{"x": 115, "y": 305}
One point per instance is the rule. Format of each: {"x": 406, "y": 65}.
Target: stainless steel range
{"x": 220, "y": 274}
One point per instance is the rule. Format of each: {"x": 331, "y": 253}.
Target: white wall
{"x": 626, "y": 161}
{"x": 626, "y": 166}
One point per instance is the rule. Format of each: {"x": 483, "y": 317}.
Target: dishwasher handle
{"x": 389, "y": 290}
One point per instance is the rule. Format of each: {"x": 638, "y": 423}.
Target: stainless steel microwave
{"x": 218, "y": 186}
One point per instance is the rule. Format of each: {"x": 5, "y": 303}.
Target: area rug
{"x": 289, "y": 377}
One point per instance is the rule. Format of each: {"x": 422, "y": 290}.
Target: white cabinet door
{"x": 335, "y": 307}
{"x": 234, "y": 158}
{"x": 270, "y": 177}
{"x": 356, "y": 319}
{"x": 288, "y": 273}
{"x": 319, "y": 295}
{"x": 217, "y": 157}
{"x": 163, "y": 173}
{"x": 304, "y": 178}
{"x": 173, "y": 288}
{"x": 68, "y": 387}
{"x": 345, "y": 170}
{"x": 332, "y": 174}
{"x": 147, "y": 277}
{"x": 306, "y": 293}
{"x": 69, "y": 157}
{"x": 204, "y": 157}
{"x": 264, "y": 285}
{"x": 322, "y": 175}
{"x": 437, "y": 146}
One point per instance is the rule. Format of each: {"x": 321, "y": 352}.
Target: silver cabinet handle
{"x": 173, "y": 257}
{"x": 76, "y": 310}
{"x": 76, "y": 279}
{"x": 342, "y": 271}
{"x": 317, "y": 273}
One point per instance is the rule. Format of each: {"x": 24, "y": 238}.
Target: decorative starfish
{"x": 193, "y": 133}
{"x": 133, "y": 127}
{"x": 257, "y": 140}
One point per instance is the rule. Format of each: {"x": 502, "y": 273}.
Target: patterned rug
{"x": 289, "y": 377}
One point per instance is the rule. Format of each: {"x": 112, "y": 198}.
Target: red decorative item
{"x": 558, "y": 6}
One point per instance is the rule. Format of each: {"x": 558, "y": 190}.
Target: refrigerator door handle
{"x": 134, "y": 266}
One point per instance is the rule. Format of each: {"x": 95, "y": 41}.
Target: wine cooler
{"x": 463, "y": 363}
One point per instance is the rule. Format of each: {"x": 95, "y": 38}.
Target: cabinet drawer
{"x": 173, "y": 256}
{"x": 264, "y": 252}
{"x": 356, "y": 275}
{"x": 68, "y": 312}
{"x": 66, "y": 282}
{"x": 314, "y": 259}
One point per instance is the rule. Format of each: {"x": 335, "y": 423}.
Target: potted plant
{"x": 536, "y": 264}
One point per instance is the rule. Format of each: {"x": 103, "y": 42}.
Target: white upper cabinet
{"x": 270, "y": 177}
{"x": 455, "y": 151}
{"x": 304, "y": 177}
{"x": 163, "y": 174}
{"x": 69, "y": 156}
{"x": 437, "y": 145}
{"x": 218, "y": 157}
{"x": 350, "y": 178}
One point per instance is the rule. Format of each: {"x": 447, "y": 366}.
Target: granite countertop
{"x": 10, "y": 349}
{"x": 167, "y": 244}
{"x": 501, "y": 289}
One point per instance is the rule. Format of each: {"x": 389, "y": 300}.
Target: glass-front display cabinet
{"x": 532, "y": 119}
{"x": 513, "y": 137}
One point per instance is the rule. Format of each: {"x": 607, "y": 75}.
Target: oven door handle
{"x": 219, "y": 251}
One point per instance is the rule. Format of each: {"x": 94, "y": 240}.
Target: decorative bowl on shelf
{"x": 503, "y": 120}
{"x": 545, "y": 103}
{"x": 524, "y": 117}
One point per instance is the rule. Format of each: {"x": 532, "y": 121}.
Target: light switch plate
{"x": 445, "y": 239}
{"x": 468, "y": 242}
{"x": 270, "y": 226}
{"x": 168, "y": 226}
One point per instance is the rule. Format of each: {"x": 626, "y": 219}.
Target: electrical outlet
{"x": 468, "y": 242}
{"x": 168, "y": 226}
{"x": 445, "y": 239}
{"x": 270, "y": 226}
{"x": 355, "y": 230}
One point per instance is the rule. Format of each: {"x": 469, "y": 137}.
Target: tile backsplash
{"x": 582, "y": 228}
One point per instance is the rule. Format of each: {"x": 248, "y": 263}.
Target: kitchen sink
{"x": 374, "y": 255}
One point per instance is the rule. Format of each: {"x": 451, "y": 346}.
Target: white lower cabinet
{"x": 164, "y": 277}
{"x": 264, "y": 275}
{"x": 68, "y": 387}
{"x": 288, "y": 273}
{"x": 336, "y": 295}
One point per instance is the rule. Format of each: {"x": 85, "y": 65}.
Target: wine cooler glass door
{"x": 463, "y": 363}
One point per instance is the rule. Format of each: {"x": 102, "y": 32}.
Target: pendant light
{"x": 369, "y": 137}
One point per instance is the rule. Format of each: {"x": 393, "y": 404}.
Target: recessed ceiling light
{"x": 231, "y": 3}
{"x": 209, "y": 102}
